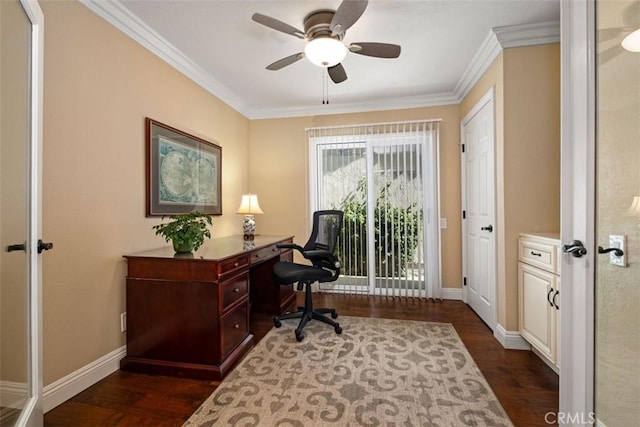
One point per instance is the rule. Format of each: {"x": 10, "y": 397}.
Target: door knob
{"x": 42, "y": 246}
{"x": 575, "y": 248}
{"x": 488, "y": 228}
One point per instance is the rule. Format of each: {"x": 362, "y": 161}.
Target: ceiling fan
{"x": 324, "y": 30}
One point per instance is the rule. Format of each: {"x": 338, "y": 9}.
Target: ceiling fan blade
{"x": 379, "y": 50}
{"x": 337, "y": 73}
{"x": 277, "y": 25}
{"x": 346, "y": 15}
{"x": 285, "y": 61}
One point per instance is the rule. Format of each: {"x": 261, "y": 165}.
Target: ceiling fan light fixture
{"x": 632, "y": 42}
{"x": 325, "y": 51}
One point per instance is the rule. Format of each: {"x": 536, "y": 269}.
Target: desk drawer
{"x": 232, "y": 264}
{"x": 234, "y": 327}
{"x": 265, "y": 253}
{"x": 234, "y": 289}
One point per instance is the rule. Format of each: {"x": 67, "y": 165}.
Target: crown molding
{"x": 499, "y": 38}
{"x": 482, "y": 60}
{"x": 121, "y": 18}
{"x": 528, "y": 34}
{"x": 396, "y": 103}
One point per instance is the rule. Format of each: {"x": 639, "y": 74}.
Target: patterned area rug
{"x": 378, "y": 372}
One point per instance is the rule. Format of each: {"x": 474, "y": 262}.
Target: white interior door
{"x": 478, "y": 204}
{"x": 20, "y": 215}
{"x": 577, "y": 208}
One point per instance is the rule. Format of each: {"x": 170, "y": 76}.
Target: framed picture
{"x": 183, "y": 172}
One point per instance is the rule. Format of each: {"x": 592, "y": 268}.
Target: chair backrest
{"x": 327, "y": 225}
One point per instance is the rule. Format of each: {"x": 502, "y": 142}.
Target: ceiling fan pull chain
{"x": 326, "y": 85}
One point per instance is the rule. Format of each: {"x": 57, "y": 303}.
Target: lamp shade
{"x": 325, "y": 51}
{"x": 249, "y": 205}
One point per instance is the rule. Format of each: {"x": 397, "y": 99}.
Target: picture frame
{"x": 183, "y": 172}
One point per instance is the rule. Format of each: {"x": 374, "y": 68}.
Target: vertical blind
{"x": 385, "y": 178}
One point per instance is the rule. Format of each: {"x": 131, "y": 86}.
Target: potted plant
{"x": 187, "y": 232}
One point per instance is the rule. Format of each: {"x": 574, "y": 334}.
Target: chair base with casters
{"x": 307, "y": 313}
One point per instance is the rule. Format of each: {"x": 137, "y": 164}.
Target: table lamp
{"x": 249, "y": 206}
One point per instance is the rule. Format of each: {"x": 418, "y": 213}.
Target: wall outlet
{"x": 123, "y": 322}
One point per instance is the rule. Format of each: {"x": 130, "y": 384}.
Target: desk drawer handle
{"x": 236, "y": 264}
{"x": 236, "y": 290}
{"x": 536, "y": 254}
{"x": 236, "y": 326}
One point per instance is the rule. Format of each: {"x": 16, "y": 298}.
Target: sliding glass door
{"x": 384, "y": 178}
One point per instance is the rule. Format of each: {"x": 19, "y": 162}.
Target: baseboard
{"x": 13, "y": 394}
{"x": 452, "y": 293}
{"x": 510, "y": 339}
{"x": 65, "y": 388}
{"x": 548, "y": 362}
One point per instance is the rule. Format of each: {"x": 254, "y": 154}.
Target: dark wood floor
{"x": 525, "y": 386}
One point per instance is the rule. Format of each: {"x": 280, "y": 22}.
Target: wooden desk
{"x": 189, "y": 315}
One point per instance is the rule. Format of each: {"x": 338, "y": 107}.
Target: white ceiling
{"x": 216, "y": 43}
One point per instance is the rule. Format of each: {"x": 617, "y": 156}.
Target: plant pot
{"x": 183, "y": 247}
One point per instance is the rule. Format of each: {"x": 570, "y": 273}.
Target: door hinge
{"x": 464, "y": 214}
{"x": 462, "y": 145}
{"x": 464, "y": 281}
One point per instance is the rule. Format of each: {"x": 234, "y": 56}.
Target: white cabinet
{"x": 539, "y": 293}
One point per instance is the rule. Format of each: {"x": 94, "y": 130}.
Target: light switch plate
{"x": 443, "y": 223}
{"x": 619, "y": 242}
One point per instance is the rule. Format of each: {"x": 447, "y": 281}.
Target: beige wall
{"x": 527, "y": 89}
{"x": 99, "y": 87}
{"x": 279, "y": 174}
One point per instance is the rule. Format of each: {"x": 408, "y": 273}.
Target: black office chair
{"x": 325, "y": 267}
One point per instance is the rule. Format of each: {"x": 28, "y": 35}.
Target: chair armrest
{"x": 322, "y": 255}
{"x": 290, "y": 246}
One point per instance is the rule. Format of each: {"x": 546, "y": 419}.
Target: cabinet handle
{"x": 549, "y": 297}
{"x": 236, "y": 326}
{"x": 536, "y": 254}
{"x": 236, "y": 290}
{"x": 554, "y": 300}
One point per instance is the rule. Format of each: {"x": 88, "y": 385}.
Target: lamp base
{"x": 248, "y": 227}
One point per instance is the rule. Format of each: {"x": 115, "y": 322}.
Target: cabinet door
{"x": 536, "y": 311}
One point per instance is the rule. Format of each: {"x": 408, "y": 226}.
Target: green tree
{"x": 396, "y": 233}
